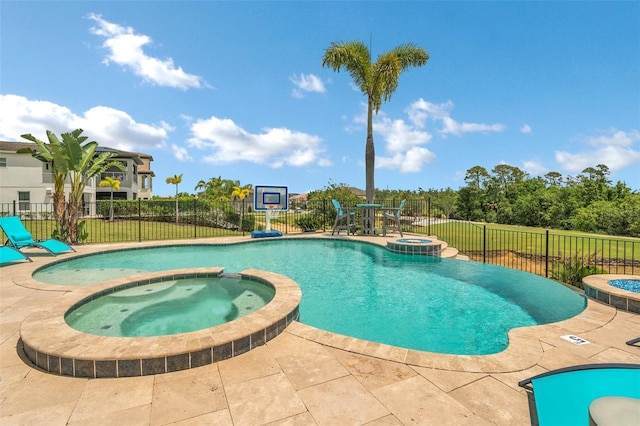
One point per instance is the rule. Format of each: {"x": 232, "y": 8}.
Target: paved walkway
{"x": 302, "y": 377}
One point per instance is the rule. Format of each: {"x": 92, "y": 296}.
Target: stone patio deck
{"x": 304, "y": 376}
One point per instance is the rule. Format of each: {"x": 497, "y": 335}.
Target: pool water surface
{"x": 169, "y": 307}
{"x": 365, "y": 291}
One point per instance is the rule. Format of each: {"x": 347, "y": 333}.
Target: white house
{"x": 26, "y": 184}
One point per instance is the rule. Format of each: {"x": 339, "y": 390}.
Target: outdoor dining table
{"x": 368, "y": 218}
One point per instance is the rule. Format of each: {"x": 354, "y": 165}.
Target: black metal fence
{"x": 556, "y": 254}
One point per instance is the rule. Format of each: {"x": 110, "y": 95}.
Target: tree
{"x": 376, "y": 80}
{"x": 76, "y": 160}
{"x": 113, "y": 184}
{"x": 52, "y": 153}
{"x": 241, "y": 194}
{"x": 84, "y": 163}
{"x": 553, "y": 178}
{"x": 175, "y": 180}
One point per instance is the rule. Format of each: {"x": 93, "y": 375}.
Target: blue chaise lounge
{"x": 18, "y": 237}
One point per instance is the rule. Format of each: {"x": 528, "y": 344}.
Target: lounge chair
{"x": 391, "y": 219}
{"x": 344, "y": 219}
{"x": 633, "y": 342}
{"x": 575, "y": 395}
{"x": 10, "y": 255}
{"x": 18, "y": 237}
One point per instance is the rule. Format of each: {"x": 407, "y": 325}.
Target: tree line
{"x": 588, "y": 202}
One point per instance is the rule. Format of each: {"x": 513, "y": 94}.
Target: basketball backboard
{"x": 268, "y": 197}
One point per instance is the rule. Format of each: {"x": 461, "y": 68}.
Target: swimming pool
{"x": 365, "y": 291}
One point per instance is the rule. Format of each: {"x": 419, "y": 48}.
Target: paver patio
{"x": 303, "y": 376}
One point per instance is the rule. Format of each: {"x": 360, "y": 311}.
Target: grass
{"x": 101, "y": 231}
{"x": 469, "y": 237}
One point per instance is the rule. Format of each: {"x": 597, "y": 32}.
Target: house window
{"x": 145, "y": 182}
{"x": 24, "y": 201}
{"x": 3, "y": 162}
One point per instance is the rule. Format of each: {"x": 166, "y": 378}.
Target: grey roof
{"x": 6, "y": 146}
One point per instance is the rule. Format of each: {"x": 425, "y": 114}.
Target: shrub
{"x": 307, "y": 223}
{"x": 572, "y": 269}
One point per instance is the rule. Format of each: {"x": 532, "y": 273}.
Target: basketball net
{"x": 272, "y": 213}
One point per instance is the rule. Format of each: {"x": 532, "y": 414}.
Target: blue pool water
{"x": 629, "y": 285}
{"x": 170, "y": 307}
{"x": 365, "y": 291}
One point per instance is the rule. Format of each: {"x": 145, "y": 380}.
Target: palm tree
{"x": 175, "y": 180}
{"x": 114, "y": 184}
{"x": 376, "y": 80}
{"x": 240, "y": 193}
{"x": 54, "y": 154}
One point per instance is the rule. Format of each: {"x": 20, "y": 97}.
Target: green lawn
{"x": 469, "y": 237}
{"x": 465, "y": 236}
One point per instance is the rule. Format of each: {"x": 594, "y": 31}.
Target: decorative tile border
{"x": 597, "y": 287}
{"x": 416, "y": 246}
{"x": 55, "y": 347}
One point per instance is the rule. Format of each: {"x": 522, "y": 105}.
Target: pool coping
{"x": 51, "y": 344}
{"x": 598, "y": 288}
{"x": 524, "y": 350}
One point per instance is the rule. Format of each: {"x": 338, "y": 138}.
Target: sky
{"x": 237, "y": 89}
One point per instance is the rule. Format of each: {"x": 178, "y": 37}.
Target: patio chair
{"x": 18, "y": 237}
{"x": 10, "y": 255}
{"x": 344, "y": 219}
{"x": 580, "y": 393}
{"x": 391, "y": 219}
{"x": 633, "y": 342}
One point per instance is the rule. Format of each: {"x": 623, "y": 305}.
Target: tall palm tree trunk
{"x": 370, "y": 157}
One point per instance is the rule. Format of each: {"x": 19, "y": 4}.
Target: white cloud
{"x": 410, "y": 161}
{"x": 126, "y": 49}
{"x": 403, "y": 144}
{"x": 614, "y": 157}
{"x": 613, "y": 148}
{"x": 420, "y": 111}
{"x": 534, "y": 167}
{"x": 227, "y": 143}
{"x": 108, "y": 126}
{"x": 180, "y": 153}
{"x": 450, "y": 126}
{"x": 306, "y": 83}
{"x": 525, "y": 128}
{"x": 404, "y": 139}
{"x": 615, "y": 137}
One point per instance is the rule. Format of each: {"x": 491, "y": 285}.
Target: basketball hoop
{"x": 273, "y": 213}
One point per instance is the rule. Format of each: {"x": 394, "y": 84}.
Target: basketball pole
{"x": 267, "y": 227}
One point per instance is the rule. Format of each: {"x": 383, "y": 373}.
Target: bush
{"x": 571, "y": 270}
{"x": 307, "y": 223}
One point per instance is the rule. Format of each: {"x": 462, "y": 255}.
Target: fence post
{"x": 14, "y": 208}
{"x": 484, "y": 244}
{"x": 428, "y": 215}
{"x": 195, "y": 217}
{"x": 139, "y": 220}
{"x": 546, "y": 255}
